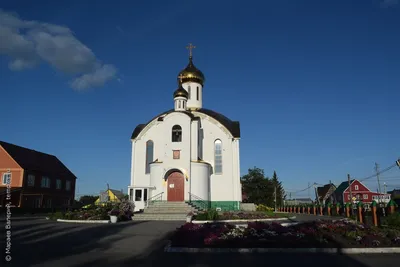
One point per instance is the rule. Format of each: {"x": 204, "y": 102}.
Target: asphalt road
{"x": 37, "y": 242}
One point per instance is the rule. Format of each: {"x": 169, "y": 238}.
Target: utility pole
{"x": 275, "y": 196}
{"x": 384, "y": 188}
{"x": 379, "y": 182}
{"x": 351, "y": 195}
{"x": 309, "y": 196}
{"x": 316, "y": 193}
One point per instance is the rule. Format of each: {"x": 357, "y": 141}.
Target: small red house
{"x": 359, "y": 191}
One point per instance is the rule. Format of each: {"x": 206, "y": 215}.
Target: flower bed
{"x": 215, "y": 216}
{"x": 318, "y": 234}
{"x": 123, "y": 210}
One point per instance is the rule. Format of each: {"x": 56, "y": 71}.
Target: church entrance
{"x": 176, "y": 187}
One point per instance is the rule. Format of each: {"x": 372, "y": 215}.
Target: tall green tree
{"x": 280, "y": 192}
{"x": 258, "y": 188}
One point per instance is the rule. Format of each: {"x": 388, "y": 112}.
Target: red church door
{"x": 176, "y": 187}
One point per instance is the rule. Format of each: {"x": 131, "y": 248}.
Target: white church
{"x": 188, "y": 153}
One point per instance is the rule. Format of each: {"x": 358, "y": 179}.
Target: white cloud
{"x": 27, "y": 43}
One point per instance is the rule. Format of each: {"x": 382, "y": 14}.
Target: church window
{"x": 179, "y": 104}
{"x": 183, "y": 104}
{"x": 189, "y": 91}
{"x": 218, "y": 157}
{"x": 198, "y": 92}
{"x": 176, "y": 133}
{"x": 149, "y": 154}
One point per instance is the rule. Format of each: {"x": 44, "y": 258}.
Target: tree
{"x": 280, "y": 192}
{"x": 257, "y": 187}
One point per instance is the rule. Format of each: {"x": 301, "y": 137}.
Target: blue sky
{"x": 314, "y": 84}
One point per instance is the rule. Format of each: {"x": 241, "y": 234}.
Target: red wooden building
{"x": 359, "y": 191}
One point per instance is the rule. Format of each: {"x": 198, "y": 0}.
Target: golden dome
{"x": 191, "y": 74}
{"x": 180, "y": 92}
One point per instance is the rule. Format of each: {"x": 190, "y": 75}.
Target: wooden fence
{"x": 376, "y": 216}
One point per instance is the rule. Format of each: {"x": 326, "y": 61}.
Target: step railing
{"x": 153, "y": 199}
{"x": 198, "y": 202}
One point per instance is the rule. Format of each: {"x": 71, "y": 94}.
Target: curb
{"x": 391, "y": 250}
{"x": 249, "y": 220}
{"x": 83, "y": 221}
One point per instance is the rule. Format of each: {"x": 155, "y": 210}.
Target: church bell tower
{"x": 192, "y": 81}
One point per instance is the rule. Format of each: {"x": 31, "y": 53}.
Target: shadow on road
{"x": 55, "y": 241}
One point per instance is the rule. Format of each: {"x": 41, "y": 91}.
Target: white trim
{"x": 141, "y": 187}
{"x": 390, "y": 250}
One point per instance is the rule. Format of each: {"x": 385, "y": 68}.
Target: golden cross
{"x": 190, "y": 47}
{"x": 181, "y": 77}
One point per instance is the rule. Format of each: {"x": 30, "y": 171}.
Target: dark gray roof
{"x": 117, "y": 193}
{"x": 34, "y": 160}
{"x": 232, "y": 126}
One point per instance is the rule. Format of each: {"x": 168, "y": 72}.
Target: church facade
{"x": 188, "y": 153}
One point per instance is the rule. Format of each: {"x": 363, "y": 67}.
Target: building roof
{"x": 34, "y": 160}
{"x": 343, "y": 186}
{"x": 191, "y": 73}
{"x": 232, "y": 126}
{"x": 117, "y": 193}
{"x": 323, "y": 190}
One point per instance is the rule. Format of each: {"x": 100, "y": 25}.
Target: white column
{"x": 239, "y": 192}
{"x": 133, "y": 162}
{"x": 194, "y": 140}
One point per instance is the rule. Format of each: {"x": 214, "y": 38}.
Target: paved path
{"x": 49, "y": 243}
{"x": 45, "y": 243}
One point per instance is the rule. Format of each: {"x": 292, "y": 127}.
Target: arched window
{"x": 176, "y": 133}
{"x": 189, "y": 91}
{"x": 218, "y": 157}
{"x": 149, "y": 154}
{"x": 198, "y": 93}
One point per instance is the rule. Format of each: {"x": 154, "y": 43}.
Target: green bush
{"x": 393, "y": 220}
{"x": 210, "y": 215}
{"x": 262, "y": 207}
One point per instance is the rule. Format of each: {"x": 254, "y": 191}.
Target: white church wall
{"x": 199, "y": 181}
{"x": 222, "y": 185}
{"x": 183, "y": 163}
{"x": 156, "y": 174}
{"x": 160, "y": 132}
{"x": 192, "y": 100}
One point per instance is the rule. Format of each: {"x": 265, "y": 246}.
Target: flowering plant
{"x": 319, "y": 233}
{"x": 114, "y": 212}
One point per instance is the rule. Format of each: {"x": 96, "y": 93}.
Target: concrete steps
{"x": 165, "y": 211}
